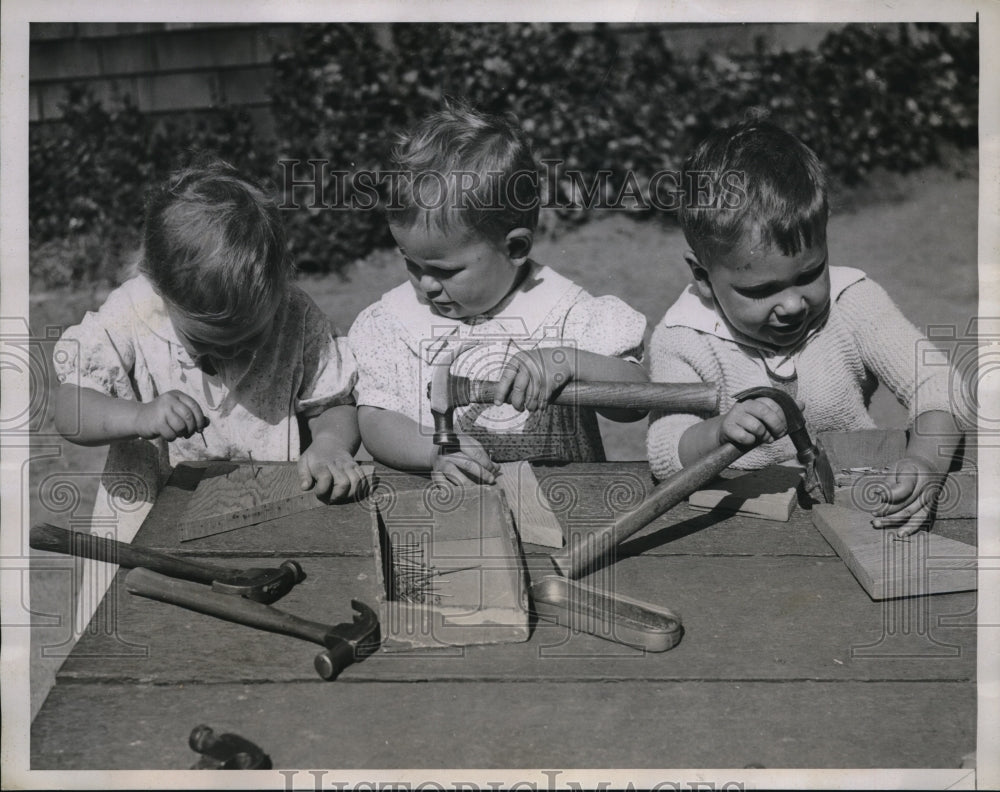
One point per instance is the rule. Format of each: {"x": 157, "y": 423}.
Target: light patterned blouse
{"x": 398, "y": 341}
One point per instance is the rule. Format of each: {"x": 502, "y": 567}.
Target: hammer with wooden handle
{"x": 446, "y": 392}
{"x": 343, "y": 643}
{"x": 262, "y": 585}
{"x": 576, "y": 560}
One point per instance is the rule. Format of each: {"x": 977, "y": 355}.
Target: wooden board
{"x": 873, "y": 448}
{"x": 479, "y": 724}
{"x": 745, "y": 619}
{"x": 888, "y": 566}
{"x": 769, "y": 494}
{"x": 859, "y": 460}
{"x": 231, "y": 495}
{"x": 449, "y": 569}
{"x": 534, "y": 518}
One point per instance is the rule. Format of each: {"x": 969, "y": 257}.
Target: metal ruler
{"x": 252, "y": 515}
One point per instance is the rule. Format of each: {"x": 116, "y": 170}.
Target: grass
{"x": 914, "y": 234}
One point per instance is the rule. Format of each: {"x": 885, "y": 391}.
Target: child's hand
{"x": 331, "y": 470}
{"x": 530, "y": 378}
{"x": 469, "y": 464}
{"x": 752, "y": 421}
{"x": 170, "y": 415}
{"x": 912, "y": 496}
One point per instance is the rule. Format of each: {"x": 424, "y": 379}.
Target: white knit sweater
{"x": 865, "y": 341}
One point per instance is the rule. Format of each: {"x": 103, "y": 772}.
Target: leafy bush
{"x": 89, "y": 173}
{"x": 613, "y": 104}
{"x": 606, "y": 101}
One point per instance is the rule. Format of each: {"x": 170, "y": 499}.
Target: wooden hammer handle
{"x": 694, "y": 397}
{"x": 577, "y": 558}
{"x": 44, "y": 536}
{"x": 223, "y": 606}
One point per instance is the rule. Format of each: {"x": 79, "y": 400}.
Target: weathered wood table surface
{"x": 785, "y": 661}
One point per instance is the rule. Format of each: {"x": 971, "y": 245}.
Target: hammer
{"x": 261, "y": 585}
{"x": 343, "y": 643}
{"x": 577, "y": 560}
{"x": 446, "y": 392}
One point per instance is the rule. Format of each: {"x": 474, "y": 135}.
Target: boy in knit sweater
{"x": 766, "y": 308}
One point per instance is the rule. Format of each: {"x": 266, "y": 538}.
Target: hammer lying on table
{"x": 261, "y": 585}
{"x": 343, "y": 643}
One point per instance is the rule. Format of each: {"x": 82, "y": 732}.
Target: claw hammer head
{"x": 819, "y": 474}
{"x": 261, "y": 585}
{"x": 348, "y": 641}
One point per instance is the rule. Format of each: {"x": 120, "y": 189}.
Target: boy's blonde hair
{"x": 460, "y": 168}
{"x": 753, "y": 176}
{"x": 214, "y": 244}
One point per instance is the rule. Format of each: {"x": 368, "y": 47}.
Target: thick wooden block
{"x": 449, "y": 569}
{"x": 888, "y": 566}
{"x": 768, "y": 494}
{"x": 533, "y": 515}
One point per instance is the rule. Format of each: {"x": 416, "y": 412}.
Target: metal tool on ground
{"x": 580, "y": 557}
{"x": 226, "y": 751}
{"x": 343, "y": 643}
{"x": 259, "y": 584}
{"x": 446, "y": 392}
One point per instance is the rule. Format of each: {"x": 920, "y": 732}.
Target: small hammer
{"x": 446, "y": 392}
{"x": 343, "y": 643}
{"x": 579, "y": 559}
{"x": 261, "y": 585}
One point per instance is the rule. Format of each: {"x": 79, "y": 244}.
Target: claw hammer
{"x": 343, "y": 643}
{"x": 576, "y": 560}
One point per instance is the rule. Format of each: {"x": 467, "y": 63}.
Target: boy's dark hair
{"x": 214, "y": 244}
{"x": 753, "y": 176}
{"x": 462, "y": 168}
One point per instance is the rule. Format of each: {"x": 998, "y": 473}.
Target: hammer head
{"x": 819, "y": 474}
{"x": 260, "y": 585}
{"x": 446, "y": 392}
{"x": 348, "y": 642}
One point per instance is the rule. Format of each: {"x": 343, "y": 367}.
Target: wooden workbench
{"x": 785, "y": 661}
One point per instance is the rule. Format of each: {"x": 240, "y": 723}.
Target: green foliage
{"x": 605, "y": 99}
{"x": 89, "y": 172}
{"x": 599, "y": 100}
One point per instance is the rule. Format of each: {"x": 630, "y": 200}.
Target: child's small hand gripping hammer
{"x": 574, "y": 562}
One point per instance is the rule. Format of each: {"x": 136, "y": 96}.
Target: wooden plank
{"x": 533, "y": 516}
{"x": 769, "y": 494}
{"x": 232, "y": 495}
{"x": 959, "y": 499}
{"x": 887, "y": 566}
{"x": 449, "y": 570}
{"x": 744, "y": 619}
{"x": 874, "y": 448}
{"x": 528, "y": 724}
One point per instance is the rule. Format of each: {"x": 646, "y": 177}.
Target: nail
{"x": 203, "y": 438}
{"x": 252, "y": 465}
